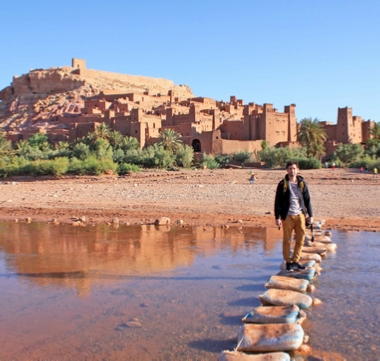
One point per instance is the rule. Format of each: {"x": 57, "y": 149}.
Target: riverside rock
{"x": 162, "y": 221}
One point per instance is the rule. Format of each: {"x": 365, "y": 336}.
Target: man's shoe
{"x": 289, "y": 267}
{"x": 298, "y": 267}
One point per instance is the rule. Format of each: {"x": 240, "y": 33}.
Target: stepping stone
{"x": 307, "y": 274}
{"x": 240, "y": 356}
{"x": 307, "y": 264}
{"x": 316, "y": 250}
{"x": 274, "y": 337}
{"x": 310, "y": 256}
{"x": 287, "y": 283}
{"x": 331, "y": 247}
{"x": 274, "y": 314}
{"x": 285, "y": 298}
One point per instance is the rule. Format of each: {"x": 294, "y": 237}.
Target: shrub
{"x": 223, "y": 159}
{"x": 209, "y": 161}
{"x": 184, "y": 156}
{"x": 308, "y": 163}
{"x": 242, "y": 156}
{"x": 126, "y": 168}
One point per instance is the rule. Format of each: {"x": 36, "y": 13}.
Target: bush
{"x": 126, "y": 168}
{"x": 242, "y": 156}
{"x": 308, "y": 163}
{"x": 92, "y": 166}
{"x": 209, "y": 161}
{"x": 223, "y": 159}
{"x": 184, "y": 156}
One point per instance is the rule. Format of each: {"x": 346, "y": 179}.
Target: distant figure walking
{"x": 361, "y": 169}
{"x": 252, "y": 177}
{"x": 333, "y": 165}
{"x": 326, "y": 165}
{"x": 375, "y": 175}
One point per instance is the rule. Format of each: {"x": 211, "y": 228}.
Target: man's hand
{"x": 278, "y": 222}
{"x": 311, "y": 220}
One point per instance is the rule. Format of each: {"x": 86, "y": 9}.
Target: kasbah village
{"x": 68, "y": 102}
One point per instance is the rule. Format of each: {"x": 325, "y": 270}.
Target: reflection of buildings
{"x": 80, "y": 257}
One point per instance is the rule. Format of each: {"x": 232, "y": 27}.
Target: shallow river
{"x": 143, "y": 293}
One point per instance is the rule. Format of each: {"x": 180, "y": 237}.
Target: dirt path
{"x": 346, "y": 199}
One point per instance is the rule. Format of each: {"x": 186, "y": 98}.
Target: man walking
{"x": 291, "y": 206}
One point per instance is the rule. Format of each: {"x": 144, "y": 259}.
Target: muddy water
{"x": 142, "y": 293}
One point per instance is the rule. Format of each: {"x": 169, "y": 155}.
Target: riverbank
{"x": 346, "y": 199}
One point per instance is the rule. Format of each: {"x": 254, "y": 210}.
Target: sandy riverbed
{"x": 346, "y": 199}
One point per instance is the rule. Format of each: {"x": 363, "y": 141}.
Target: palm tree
{"x": 312, "y": 136}
{"x": 374, "y": 131}
{"x": 116, "y": 139}
{"x": 5, "y": 145}
{"x": 169, "y": 140}
{"x": 102, "y": 131}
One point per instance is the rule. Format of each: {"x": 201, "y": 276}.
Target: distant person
{"x": 252, "y": 177}
{"x": 326, "y": 165}
{"x": 361, "y": 169}
{"x": 333, "y": 165}
{"x": 292, "y": 204}
{"x": 366, "y": 169}
{"x": 375, "y": 175}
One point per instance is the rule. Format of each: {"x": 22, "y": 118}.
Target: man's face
{"x": 292, "y": 170}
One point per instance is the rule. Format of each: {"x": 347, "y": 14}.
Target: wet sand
{"x": 346, "y": 199}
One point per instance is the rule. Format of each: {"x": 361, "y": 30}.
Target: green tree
{"x": 81, "y": 151}
{"x": 6, "y": 149}
{"x": 348, "y": 153}
{"x": 185, "y": 156}
{"x": 242, "y": 156}
{"x": 39, "y": 141}
{"x": 374, "y": 131}
{"x": 169, "y": 140}
{"x": 102, "y": 131}
{"x": 312, "y": 136}
{"x": 116, "y": 139}
{"x": 264, "y": 144}
{"x": 129, "y": 143}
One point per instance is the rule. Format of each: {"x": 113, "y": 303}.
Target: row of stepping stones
{"x": 271, "y": 331}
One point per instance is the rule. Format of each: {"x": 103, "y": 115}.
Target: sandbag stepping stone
{"x": 307, "y": 274}
{"x": 274, "y": 337}
{"x": 241, "y": 356}
{"x": 287, "y": 283}
{"x": 285, "y": 298}
{"x": 315, "y": 250}
{"x": 310, "y": 256}
{"x": 273, "y": 314}
{"x": 321, "y": 239}
{"x": 331, "y": 247}
{"x": 307, "y": 264}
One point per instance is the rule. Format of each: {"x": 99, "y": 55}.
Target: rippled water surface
{"x": 146, "y": 293}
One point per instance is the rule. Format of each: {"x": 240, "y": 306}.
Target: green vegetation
{"x": 109, "y": 152}
{"x": 312, "y": 136}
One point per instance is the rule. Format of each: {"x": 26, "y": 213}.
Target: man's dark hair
{"x": 290, "y": 163}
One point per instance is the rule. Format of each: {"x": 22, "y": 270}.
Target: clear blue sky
{"x": 318, "y": 54}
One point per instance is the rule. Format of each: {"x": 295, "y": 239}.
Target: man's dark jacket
{"x": 282, "y": 201}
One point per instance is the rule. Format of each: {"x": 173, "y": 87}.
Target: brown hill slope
{"x": 35, "y": 99}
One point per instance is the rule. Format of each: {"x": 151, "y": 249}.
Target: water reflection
{"x": 167, "y": 293}
{"x": 79, "y": 257}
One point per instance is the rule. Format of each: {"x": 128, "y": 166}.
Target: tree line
{"x": 105, "y": 151}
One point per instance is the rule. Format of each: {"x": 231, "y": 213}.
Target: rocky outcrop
{"x": 39, "y": 98}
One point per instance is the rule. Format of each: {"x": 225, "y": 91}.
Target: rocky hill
{"x": 35, "y": 99}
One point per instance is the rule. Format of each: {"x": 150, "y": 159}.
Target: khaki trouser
{"x": 291, "y": 223}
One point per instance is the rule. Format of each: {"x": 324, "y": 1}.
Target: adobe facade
{"x": 206, "y": 124}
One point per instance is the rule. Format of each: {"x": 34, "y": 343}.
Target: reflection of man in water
{"x": 292, "y": 203}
